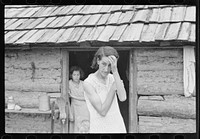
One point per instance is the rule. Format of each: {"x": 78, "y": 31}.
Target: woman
{"x": 101, "y": 91}
{"x": 78, "y": 104}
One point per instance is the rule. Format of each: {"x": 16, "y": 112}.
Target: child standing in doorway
{"x": 78, "y": 104}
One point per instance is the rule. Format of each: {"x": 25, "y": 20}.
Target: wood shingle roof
{"x": 100, "y": 23}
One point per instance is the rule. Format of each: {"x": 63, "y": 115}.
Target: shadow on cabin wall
{"x": 84, "y": 60}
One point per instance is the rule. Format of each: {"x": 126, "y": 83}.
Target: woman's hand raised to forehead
{"x": 113, "y": 62}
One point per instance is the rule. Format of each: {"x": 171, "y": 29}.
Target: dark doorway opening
{"x": 84, "y": 60}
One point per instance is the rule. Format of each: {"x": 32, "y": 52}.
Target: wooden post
{"x": 133, "y": 117}
{"x": 65, "y": 83}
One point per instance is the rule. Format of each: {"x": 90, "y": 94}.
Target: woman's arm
{"x": 121, "y": 92}
{"x": 95, "y": 100}
{"x": 78, "y": 98}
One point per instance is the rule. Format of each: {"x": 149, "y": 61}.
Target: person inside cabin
{"x": 101, "y": 91}
{"x": 78, "y": 105}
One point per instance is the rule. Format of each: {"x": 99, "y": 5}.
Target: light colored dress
{"x": 79, "y": 109}
{"x": 113, "y": 121}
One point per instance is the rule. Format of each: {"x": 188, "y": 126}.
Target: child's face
{"x": 76, "y": 76}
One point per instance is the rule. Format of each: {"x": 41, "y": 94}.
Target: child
{"x": 78, "y": 104}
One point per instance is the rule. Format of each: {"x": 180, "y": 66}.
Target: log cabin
{"x": 43, "y": 42}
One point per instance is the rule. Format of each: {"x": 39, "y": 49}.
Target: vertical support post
{"x": 65, "y": 83}
{"x": 133, "y": 98}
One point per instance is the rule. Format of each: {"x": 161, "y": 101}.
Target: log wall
{"x": 28, "y": 73}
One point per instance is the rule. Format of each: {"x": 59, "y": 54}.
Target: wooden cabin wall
{"x": 28, "y": 73}
{"x": 162, "y": 107}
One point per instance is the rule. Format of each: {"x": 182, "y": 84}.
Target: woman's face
{"x": 104, "y": 66}
{"x": 76, "y": 76}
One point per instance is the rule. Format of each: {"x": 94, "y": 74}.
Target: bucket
{"x": 44, "y": 102}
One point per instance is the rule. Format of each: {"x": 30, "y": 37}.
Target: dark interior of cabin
{"x": 84, "y": 60}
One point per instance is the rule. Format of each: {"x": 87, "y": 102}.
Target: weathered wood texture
{"x": 171, "y": 106}
{"x": 160, "y": 71}
{"x": 148, "y": 124}
{"x": 133, "y": 98}
{"x": 33, "y": 70}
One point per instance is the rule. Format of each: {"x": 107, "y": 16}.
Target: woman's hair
{"x": 103, "y": 51}
{"x": 76, "y": 68}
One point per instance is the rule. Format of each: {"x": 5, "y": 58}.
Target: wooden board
{"x": 127, "y": 17}
{"x": 45, "y": 22}
{"x": 26, "y": 37}
{"x": 190, "y": 14}
{"x": 75, "y": 37}
{"x": 16, "y": 37}
{"x": 35, "y": 23}
{"x": 160, "y": 31}
{"x": 165, "y": 15}
{"x": 66, "y": 10}
{"x": 141, "y": 15}
{"x": 184, "y": 31}
{"x": 148, "y": 124}
{"x": 65, "y": 35}
{"x": 178, "y": 14}
{"x": 173, "y": 31}
{"x": 56, "y": 36}
{"x": 82, "y": 20}
{"x": 105, "y": 9}
{"x": 39, "y": 12}
{"x": 25, "y": 24}
{"x": 103, "y": 19}
{"x": 32, "y": 11}
{"x": 73, "y": 20}
{"x": 118, "y": 32}
{"x": 76, "y": 9}
{"x": 155, "y": 15}
{"x": 171, "y": 106}
{"x": 30, "y": 110}
{"x": 192, "y": 37}
{"x": 148, "y": 35}
{"x": 47, "y": 35}
{"x": 133, "y": 97}
{"x": 92, "y": 20}
{"x": 114, "y": 18}
{"x": 57, "y": 10}
{"x": 35, "y": 37}
{"x": 55, "y": 21}
{"x": 63, "y": 21}
{"x": 115, "y": 8}
{"x": 16, "y": 24}
{"x": 106, "y": 33}
{"x": 85, "y": 34}
{"x": 10, "y": 22}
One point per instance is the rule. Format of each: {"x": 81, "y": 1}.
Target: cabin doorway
{"x": 84, "y": 60}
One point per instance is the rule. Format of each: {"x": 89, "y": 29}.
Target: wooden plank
{"x": 171, "y": 106}
{"x": 13, "y": 12}
{"x": 57, "y": 10}
{"x": 92, "y": 20}
{"x": 149, "y": 124}
{"x": 22, "y": 13}
{"x": 105, "y": 9}
{"x": 113, "y": 19}
{"x": 73, "y": 20}
{"x": 165, "y": 14}
{"x": 115, "y": 8}
{"x": 48, "y": 11}
{"x": 149, "y": 34}
{"x": 45, "y": 22}
{"x": 32, "y": 11}
{"x": 29, "y": 110}
{"x": 82, "y": 20}
{"x": 172, "y": 32}
{"x": 47, "y": 35}
{"x": 10, "y": 22}
{"x": 39, "y": 12}
{"x": 16, "y": 37}
{"x": 141, "y": 15}
{"x": 76, "y": 34}
{"x": 133, "y": 117}
{"x": 190, "y": 14}
{"x": 118, "y": 32}
{"x": 63, "y": 22}
{"x": 16, "y": 24}
{"x": 65, "y": 35}
{"x": 35, "y": 23}
{"x": 36, "y": 36}
{"x": 155, "y": 15}
{"x": 161, "y": 31}
{"x": 26, "y": 37}
{"x": 95, "y": 33}
{"x": 178, "y": 14}
{"x": 55, "y": 22}
{"x": 184, "y": 31}
{"x": 93, "y": 9}
{"x": 127, "y": 17}
{"x": 127, "y": 7}
{"x": 192, "y": 37}
{"x": 132, "y": 32}
{"x": 10, "y": 35}
{"x": 106, "y": 33}
{"x": 25, "y": 24}
{"x": 85, "y": 9}
{"x": 66, "y": 10}
{"x": 103, "y": 19}
{"x": 76, "y": 9}
{"x": 85, "y": 34}
{"x": 56, "y": 36}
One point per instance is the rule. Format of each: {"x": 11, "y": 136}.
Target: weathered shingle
{"x": 104, "y": 23}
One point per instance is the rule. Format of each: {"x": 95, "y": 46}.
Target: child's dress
{"x": 79, "y": 109}
{"x": 113, "y": 121}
